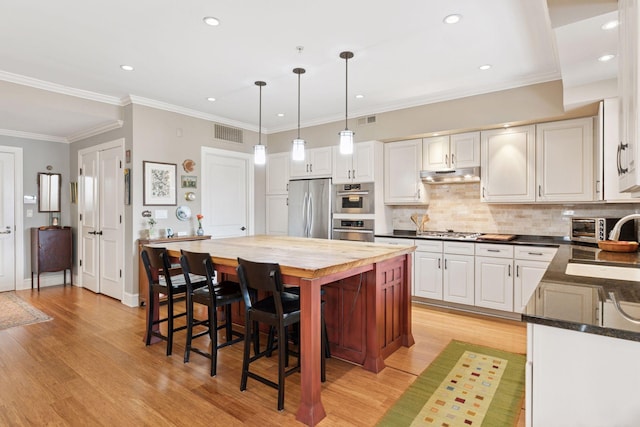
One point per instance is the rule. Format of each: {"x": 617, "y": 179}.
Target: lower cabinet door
{"x": 428, "y": 275}
{"x": 458, "y": 279}
{"x": 494, "y": 283}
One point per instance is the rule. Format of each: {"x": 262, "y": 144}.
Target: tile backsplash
{"x": 458, "y": 207}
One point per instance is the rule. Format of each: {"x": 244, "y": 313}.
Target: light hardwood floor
{"x": 89, "y": 366}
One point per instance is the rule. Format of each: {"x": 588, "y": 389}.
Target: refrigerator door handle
{"x": 310, "y": 216}
{"x": 304, "y": 214}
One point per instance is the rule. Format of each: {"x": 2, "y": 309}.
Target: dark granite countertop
{"x": 576, "y": 302}
{"x": 519, "y": 239}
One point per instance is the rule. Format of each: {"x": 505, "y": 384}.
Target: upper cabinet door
{"x": 508, "y": 165}
{"x": 564, "y": 157}
{"x": 316, "y": 164}
{"x": 402, "y": 164}
{"x": 359, "y": 166}
{"x": 464, "y": 150}
{"x": 277, "y": 173}
{"x": 435, "y": 153}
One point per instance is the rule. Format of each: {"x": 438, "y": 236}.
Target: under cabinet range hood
{"x": 451, "y": 176}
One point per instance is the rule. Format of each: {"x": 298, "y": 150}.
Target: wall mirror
{"x": 49, "y": 186}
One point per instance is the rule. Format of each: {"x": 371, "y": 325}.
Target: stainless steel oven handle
{"x": 351, "y": 230}
{"x": 352, "y": 193}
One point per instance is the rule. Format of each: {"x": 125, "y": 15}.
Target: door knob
{"x": 243, "y": 228}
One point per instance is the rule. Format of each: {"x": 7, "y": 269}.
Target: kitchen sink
{"x": 603, "y": 271}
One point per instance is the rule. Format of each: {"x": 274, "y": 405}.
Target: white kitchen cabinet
{"x": 444, "y": 271}
{"x": 609, "y": 125}
{"x": 277, "y": 214}
{"x": 428, "y": 269}
{"x": 531, "y": 263}
{"x": 451, "y": 151}
{"x": 316, "y": 164}
{"x": 359, "y": 166}
{"x": 508, "y": 165}
{"x": 564, "y": 159}
{"x": 458, "y": 274}
{"x": 402, "y": 164}
{"x": 277, "y": 173}
{"x": 596, "y": 376}
{"x": 574, "y": 304}
{"x": 494, "y": 276}
{"x": 627, "y": 152}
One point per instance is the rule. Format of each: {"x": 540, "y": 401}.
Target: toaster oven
{"x": 594, "y": 230}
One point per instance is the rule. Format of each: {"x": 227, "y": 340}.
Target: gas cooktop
{"x": 449, "y": 234}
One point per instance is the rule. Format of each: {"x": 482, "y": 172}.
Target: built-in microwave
{"x": 354, "y": 198}
{"x": 594, "y": 230}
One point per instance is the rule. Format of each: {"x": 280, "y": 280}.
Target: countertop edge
{"x": 581, "y": 327}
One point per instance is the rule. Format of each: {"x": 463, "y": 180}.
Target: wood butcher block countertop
{"x": 298, "y": 256}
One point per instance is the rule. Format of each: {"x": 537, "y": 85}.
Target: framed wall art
{"x": 189, "y": 181}
{"x": 159, "y": 184}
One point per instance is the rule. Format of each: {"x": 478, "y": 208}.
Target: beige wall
{"x": 540, "y": 102}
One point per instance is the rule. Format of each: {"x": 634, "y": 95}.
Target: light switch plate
{"x": 29, "y": 213}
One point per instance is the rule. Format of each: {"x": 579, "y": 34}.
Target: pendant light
{"x": 260, "y": 151}
{"x": 346, "y": 136}
{"x": 297, "y": 152}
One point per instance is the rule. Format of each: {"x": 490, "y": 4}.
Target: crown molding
{"x": 96, "y": 130}
{"x": 138, "y": 100}
{"x": 54, "y": 87}
{"x": 36, "y": 136}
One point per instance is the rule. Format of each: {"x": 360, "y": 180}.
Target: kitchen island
{"x": 383, "y": 293}
{"x": 579, "y": 344}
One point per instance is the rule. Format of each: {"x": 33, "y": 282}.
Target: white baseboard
{"x": 46, "y": 279}
{"x": 56, "y": 279}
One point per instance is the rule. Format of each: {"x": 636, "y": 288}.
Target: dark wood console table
{"x": 51, "y": 250}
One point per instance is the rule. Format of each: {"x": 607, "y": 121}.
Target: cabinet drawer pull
{"x": 493, "y": 250}
{"x": 535, "y": 253}
{"x": 439, "y": 263}
{"x": 517, "y": 271}
{"x": 509, "y": 271}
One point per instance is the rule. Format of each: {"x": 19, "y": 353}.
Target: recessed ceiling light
{"x": 452, "y": 19}
{"x": 211, "y": 99}
{"x": 610, "y": 25}
{"x": 485, "y": 67}
{"x": 605, "y": 58}
{"x": 127, "y": 67}
{"x": 210, "y": 20}
{"x": 280, "y": 114}
{"x": 359, "y": 96}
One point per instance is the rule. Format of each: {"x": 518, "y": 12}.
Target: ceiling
{"x": 60, "y": 75}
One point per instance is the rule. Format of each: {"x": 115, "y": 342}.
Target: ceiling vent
{"x": 227, "y": 133}
{"x": 369, "y": 120}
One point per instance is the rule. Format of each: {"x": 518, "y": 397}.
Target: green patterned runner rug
{"x": 466, "y": 385}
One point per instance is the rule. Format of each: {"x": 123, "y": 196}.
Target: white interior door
{"x": 227, "y": 193}
{"x": 88, "y": 200}
{"x": 7, "y": 223}
{"x": 101, "y": 202}
{"x": 111, "y": 201}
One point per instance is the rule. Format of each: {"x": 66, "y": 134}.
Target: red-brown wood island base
{"x": 367, "y": 295}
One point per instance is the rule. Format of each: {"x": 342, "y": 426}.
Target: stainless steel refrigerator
{"x": 310, "y": 208}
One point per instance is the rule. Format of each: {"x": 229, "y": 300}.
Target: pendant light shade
{"x": 346, "y": 136}
{"x": 260, "y": 151}
{"x": 297, "y": 153}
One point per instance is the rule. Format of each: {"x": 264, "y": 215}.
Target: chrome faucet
{"x": 615, "y": 231}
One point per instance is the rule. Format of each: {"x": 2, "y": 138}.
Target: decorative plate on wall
{"x": 188, "y": 165}
{"x": 183, "y": 213}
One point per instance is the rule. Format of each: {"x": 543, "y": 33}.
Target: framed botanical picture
{"x": 159, "y": 184}
{"x": 189, "y": 181}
